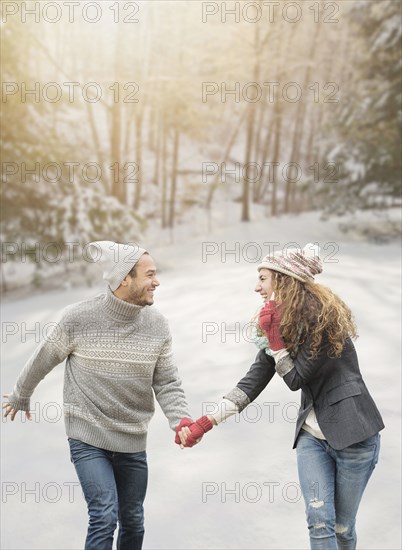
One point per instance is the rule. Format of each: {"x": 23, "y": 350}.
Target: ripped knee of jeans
{"x": 340, "y": 529}
{"x": 315, "y": 503}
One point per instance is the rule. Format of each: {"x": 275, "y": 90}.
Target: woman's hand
{"x": 270, "y": 320}
{"x": 10, "y": 410}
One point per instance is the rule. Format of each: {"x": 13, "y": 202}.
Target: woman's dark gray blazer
{"x": 345, "y": 410}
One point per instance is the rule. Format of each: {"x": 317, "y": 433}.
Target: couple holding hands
{"x": 119, "y": 356}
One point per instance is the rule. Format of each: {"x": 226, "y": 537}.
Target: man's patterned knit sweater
{"x": 117, "y": 355}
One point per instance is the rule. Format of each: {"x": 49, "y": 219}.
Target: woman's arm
{"x": 299, "y": 371}
{"x": 254, "y": 382}
{"x": 249, "y": 387}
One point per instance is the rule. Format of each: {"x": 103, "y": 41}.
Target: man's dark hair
{"x": 133, "y": 271}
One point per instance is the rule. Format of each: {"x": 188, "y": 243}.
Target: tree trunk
{"x": 3, "y": 279}
{"x": 299, "y": 125}
{"x": 158, "y": 147}
{"x": 138, "y": 159}
{"x": 226, "y": 154}
{"x": 118, "y": 185}
{"x": 273, "y": 126}
{"x": 129, "y": 124}
{"x": 245, "y": 211}
{"x": 277, "y": 148}
{"x": 151, "y": 129}
{"x": 261, "y": 188}
{"x": 118, "y": 189}
{"x": 164, "y": 172}
{"x": 258, "y": 138}
{"x": 172, "y": 201}
{"x": 96, "y": 141}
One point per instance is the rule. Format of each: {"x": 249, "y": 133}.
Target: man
{"x": 118, "y": 353}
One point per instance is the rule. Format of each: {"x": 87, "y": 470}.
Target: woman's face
{"x": 265, "y": 284}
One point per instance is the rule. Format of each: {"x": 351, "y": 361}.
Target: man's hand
{"x": 10, "y": 410}
{"x": 192, "y": 434}
{"x": 270, "y": 320}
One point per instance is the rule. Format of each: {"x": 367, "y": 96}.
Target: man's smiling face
{"x": 140, "y": 289}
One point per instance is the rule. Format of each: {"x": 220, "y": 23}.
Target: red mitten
{"x": 184, "y": 422}
{"x": 270, "y": 320}
{"x": 198, "y": 429}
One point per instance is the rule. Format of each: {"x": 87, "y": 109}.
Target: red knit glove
{"x": 184, "y": 422}
{"x": 270, "y": 320}
{"x": 198, "y": 429}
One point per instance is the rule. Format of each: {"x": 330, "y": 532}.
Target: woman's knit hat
{"x": 300, "y": 264}
{"x": 115, "y": 259}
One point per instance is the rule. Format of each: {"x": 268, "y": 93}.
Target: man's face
{"x": 141, "y": 288}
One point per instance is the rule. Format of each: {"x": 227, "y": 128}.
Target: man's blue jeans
{"x": 114, "y": 486}
{"x": 332, "y": 483}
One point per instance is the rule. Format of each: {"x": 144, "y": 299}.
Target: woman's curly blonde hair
{"x": 311, "y": 310}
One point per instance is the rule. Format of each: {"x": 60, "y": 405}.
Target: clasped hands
{"x": 190, "y": 432}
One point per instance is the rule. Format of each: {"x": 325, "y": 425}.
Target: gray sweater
{"x": 117, "y": 353}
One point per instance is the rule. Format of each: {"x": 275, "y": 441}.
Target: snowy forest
{"x": 121, "y": 117}
{"x": 207, "y": 132}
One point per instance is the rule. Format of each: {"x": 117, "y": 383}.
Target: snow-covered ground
{"x": 238, "y": 489}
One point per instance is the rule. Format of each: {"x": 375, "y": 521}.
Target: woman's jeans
{"x": 332, "y": 483}
{"x": 114, "y": 486}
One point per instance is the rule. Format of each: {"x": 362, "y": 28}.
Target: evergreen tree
{"x": 365, "y": 131}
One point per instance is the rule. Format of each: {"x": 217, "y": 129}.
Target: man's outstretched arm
{"x": 52, "y": 351}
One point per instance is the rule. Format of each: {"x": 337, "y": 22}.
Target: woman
{"x": 309, "y": 331}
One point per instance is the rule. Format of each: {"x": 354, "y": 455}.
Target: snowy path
{"x": 238, "y": 489}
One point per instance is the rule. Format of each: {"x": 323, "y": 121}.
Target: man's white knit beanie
{"x": 115, "y": 259}
{"x": 303, "y": 265}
